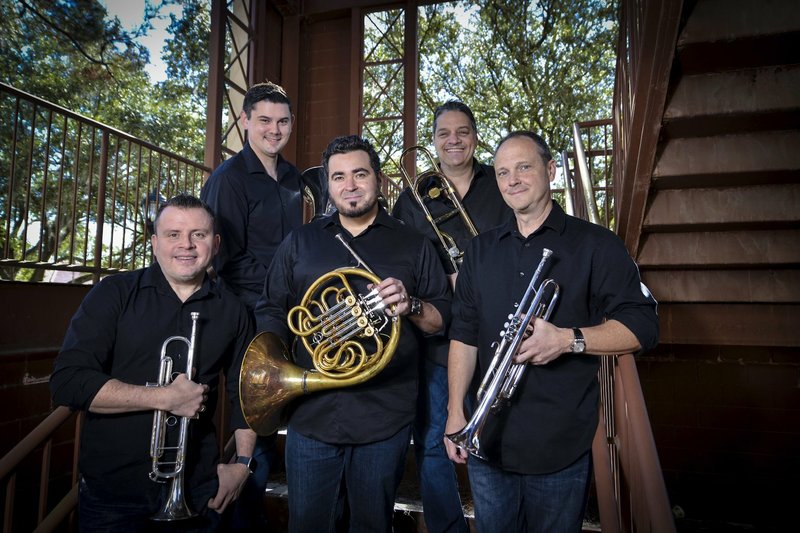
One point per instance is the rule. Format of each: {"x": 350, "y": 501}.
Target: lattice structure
{"x": 383, "y": 86}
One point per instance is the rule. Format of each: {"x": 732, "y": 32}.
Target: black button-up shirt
{"x": 381, "y": 406}
{"x": 118, "y": 333}
{"x": 254, "y": 214}
{"x": 553, "y": 415}
{"x": 485, "y": 206}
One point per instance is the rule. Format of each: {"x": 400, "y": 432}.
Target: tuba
{"x": 169, "y": 462}
{"x": 430, "y": 185}
{"x": 503, "y": 375}
{"x": 343, "y": 332}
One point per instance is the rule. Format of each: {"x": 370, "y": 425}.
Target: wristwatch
{"x": 416, "y": 306}
{"x": 578, "y": 343}
{"x": 249, "y": 462}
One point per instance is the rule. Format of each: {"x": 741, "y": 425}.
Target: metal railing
{"x": 41, "y": 438}
{"x": 591, "y": 170}
{"x": 75, "y": 193}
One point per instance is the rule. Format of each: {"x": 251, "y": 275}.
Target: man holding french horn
{"x": 109, "y": 367}
{"x": 528, "y": 443}
{"x": 351, "y": 293}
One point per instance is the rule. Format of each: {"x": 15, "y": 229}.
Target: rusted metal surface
{"x": 725, "y": 248}
{"x": 730, "y": 324}
{"x": 754, "y": 153}
{"x": 644, "y": 58}
{"x": 759, "y": 90}
{"x": 726, "y": 20}
{"x": 759, "y": 205}
{"x": 700, "y": 285}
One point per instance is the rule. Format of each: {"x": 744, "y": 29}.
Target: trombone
{"x": 430, "y": 185}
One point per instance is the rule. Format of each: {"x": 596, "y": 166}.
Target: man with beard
{"x": 355, "y": 438}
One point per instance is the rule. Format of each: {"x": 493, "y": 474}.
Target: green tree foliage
{"x": 541, "y": 64}
{"x": 68, "y": 52}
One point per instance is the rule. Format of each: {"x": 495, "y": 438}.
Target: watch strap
{"x": 246, "y": 461}
{"x": 579, "y": 342}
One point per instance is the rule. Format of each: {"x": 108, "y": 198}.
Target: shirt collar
{"x": 556, "y": 221}
{"x": 153, "y": 276}
{"x": 254, "y": 165}
{"x": 381, "y": 219}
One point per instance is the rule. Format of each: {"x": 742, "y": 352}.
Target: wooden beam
{"x": 762, "y": 205}
{"x": 711, "y": 249}
{"x": 730, "y": 324}
{"x": 736, "y": 286}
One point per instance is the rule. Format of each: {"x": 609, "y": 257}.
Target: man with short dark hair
{"x": 354, "y": 438}
{"x": 110, "y": 356}
{"x": 256, "y": 195}
{"x": 536, "y": 474}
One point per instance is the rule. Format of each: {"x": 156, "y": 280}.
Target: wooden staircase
{"x": 719, "y": 238}
{"x": 716, "y": 238}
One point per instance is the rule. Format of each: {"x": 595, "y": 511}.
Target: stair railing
{"x": 40, "y": 438}
{"x": 632, "y": 496}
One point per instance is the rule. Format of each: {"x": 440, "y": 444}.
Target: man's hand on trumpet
{"x": 543, "y": 343}
{"x": 183, "y": 397}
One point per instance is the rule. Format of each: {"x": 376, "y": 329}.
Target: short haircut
{"x": 351, "y": 143}
{"x": 184, "y": 201}
{"x": 266, "y": 91}
{"x": 541, "y": 144}
{"x": 454, "y": 105}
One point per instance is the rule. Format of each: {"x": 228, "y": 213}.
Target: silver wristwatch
{"x": 416, "y": 306}
{"x": 578, "y": 343}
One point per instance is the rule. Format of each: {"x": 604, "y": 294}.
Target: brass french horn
{"x": 343, "y": 332}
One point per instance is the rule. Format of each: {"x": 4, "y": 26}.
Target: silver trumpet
{"x": 503, "y": 375}
{"x": 171, "y": 467}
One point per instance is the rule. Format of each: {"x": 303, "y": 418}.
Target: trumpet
{"x": 343, "y": 332}
{"x": 430, "y": 185}
{"x": 172, "y": 469}
{"x": 503, "y": 375}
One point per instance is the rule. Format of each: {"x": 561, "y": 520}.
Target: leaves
{"x": 538, "y": 65}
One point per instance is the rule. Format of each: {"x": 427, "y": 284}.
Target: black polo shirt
{"x": 553, "y": 415}
{"x": 380, "y": 407}
{"x": 484, "y": 205}
{"x": 254, "y": 214}
{"x": 118, "y": 332}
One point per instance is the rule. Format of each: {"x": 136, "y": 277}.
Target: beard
{"x": 354, "y": 210}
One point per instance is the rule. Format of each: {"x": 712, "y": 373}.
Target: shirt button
{"x": 522, "y": 274}
{"x": 527, "y": 245}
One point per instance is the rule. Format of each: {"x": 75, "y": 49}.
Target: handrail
{"x": 583, "y": 172}
{"x": 41, "y": 434}
{"x": 569, "y": 199}
{"x": 33, "y": 439}
{"x": 77, "y": 195}
{"x": 624, "y": 454}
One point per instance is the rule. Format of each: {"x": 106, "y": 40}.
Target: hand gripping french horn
{"x": 348, "y": 336}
